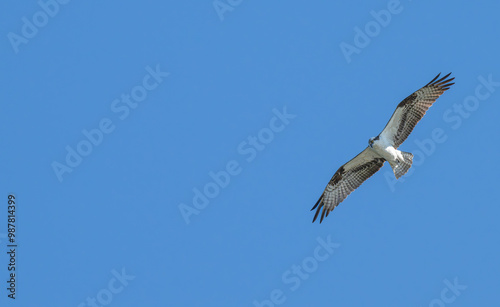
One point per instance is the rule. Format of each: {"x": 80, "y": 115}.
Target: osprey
{"x": 383, "y": 147}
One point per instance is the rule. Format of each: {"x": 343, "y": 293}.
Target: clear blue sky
{"x": 116, "y": 115}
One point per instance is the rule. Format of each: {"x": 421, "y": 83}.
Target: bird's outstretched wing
{"x": 347, "y": 179}
{"x": 413, "y": 108}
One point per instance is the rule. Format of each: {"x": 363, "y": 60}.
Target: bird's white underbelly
{"x": 388, "y": 152}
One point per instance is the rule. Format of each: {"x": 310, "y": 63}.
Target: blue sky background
{"x": 395, "y": 244}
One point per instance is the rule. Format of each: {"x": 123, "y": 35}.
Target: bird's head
{"x": 372, "y": 140}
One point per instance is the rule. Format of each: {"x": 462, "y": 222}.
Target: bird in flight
{"x": 383, "y": 147}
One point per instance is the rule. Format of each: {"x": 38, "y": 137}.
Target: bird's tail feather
{"x": 402, "y": 167}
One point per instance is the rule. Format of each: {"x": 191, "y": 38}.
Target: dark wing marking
{"x": 347, "y": 179}
{"x": 413, "y": 108}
